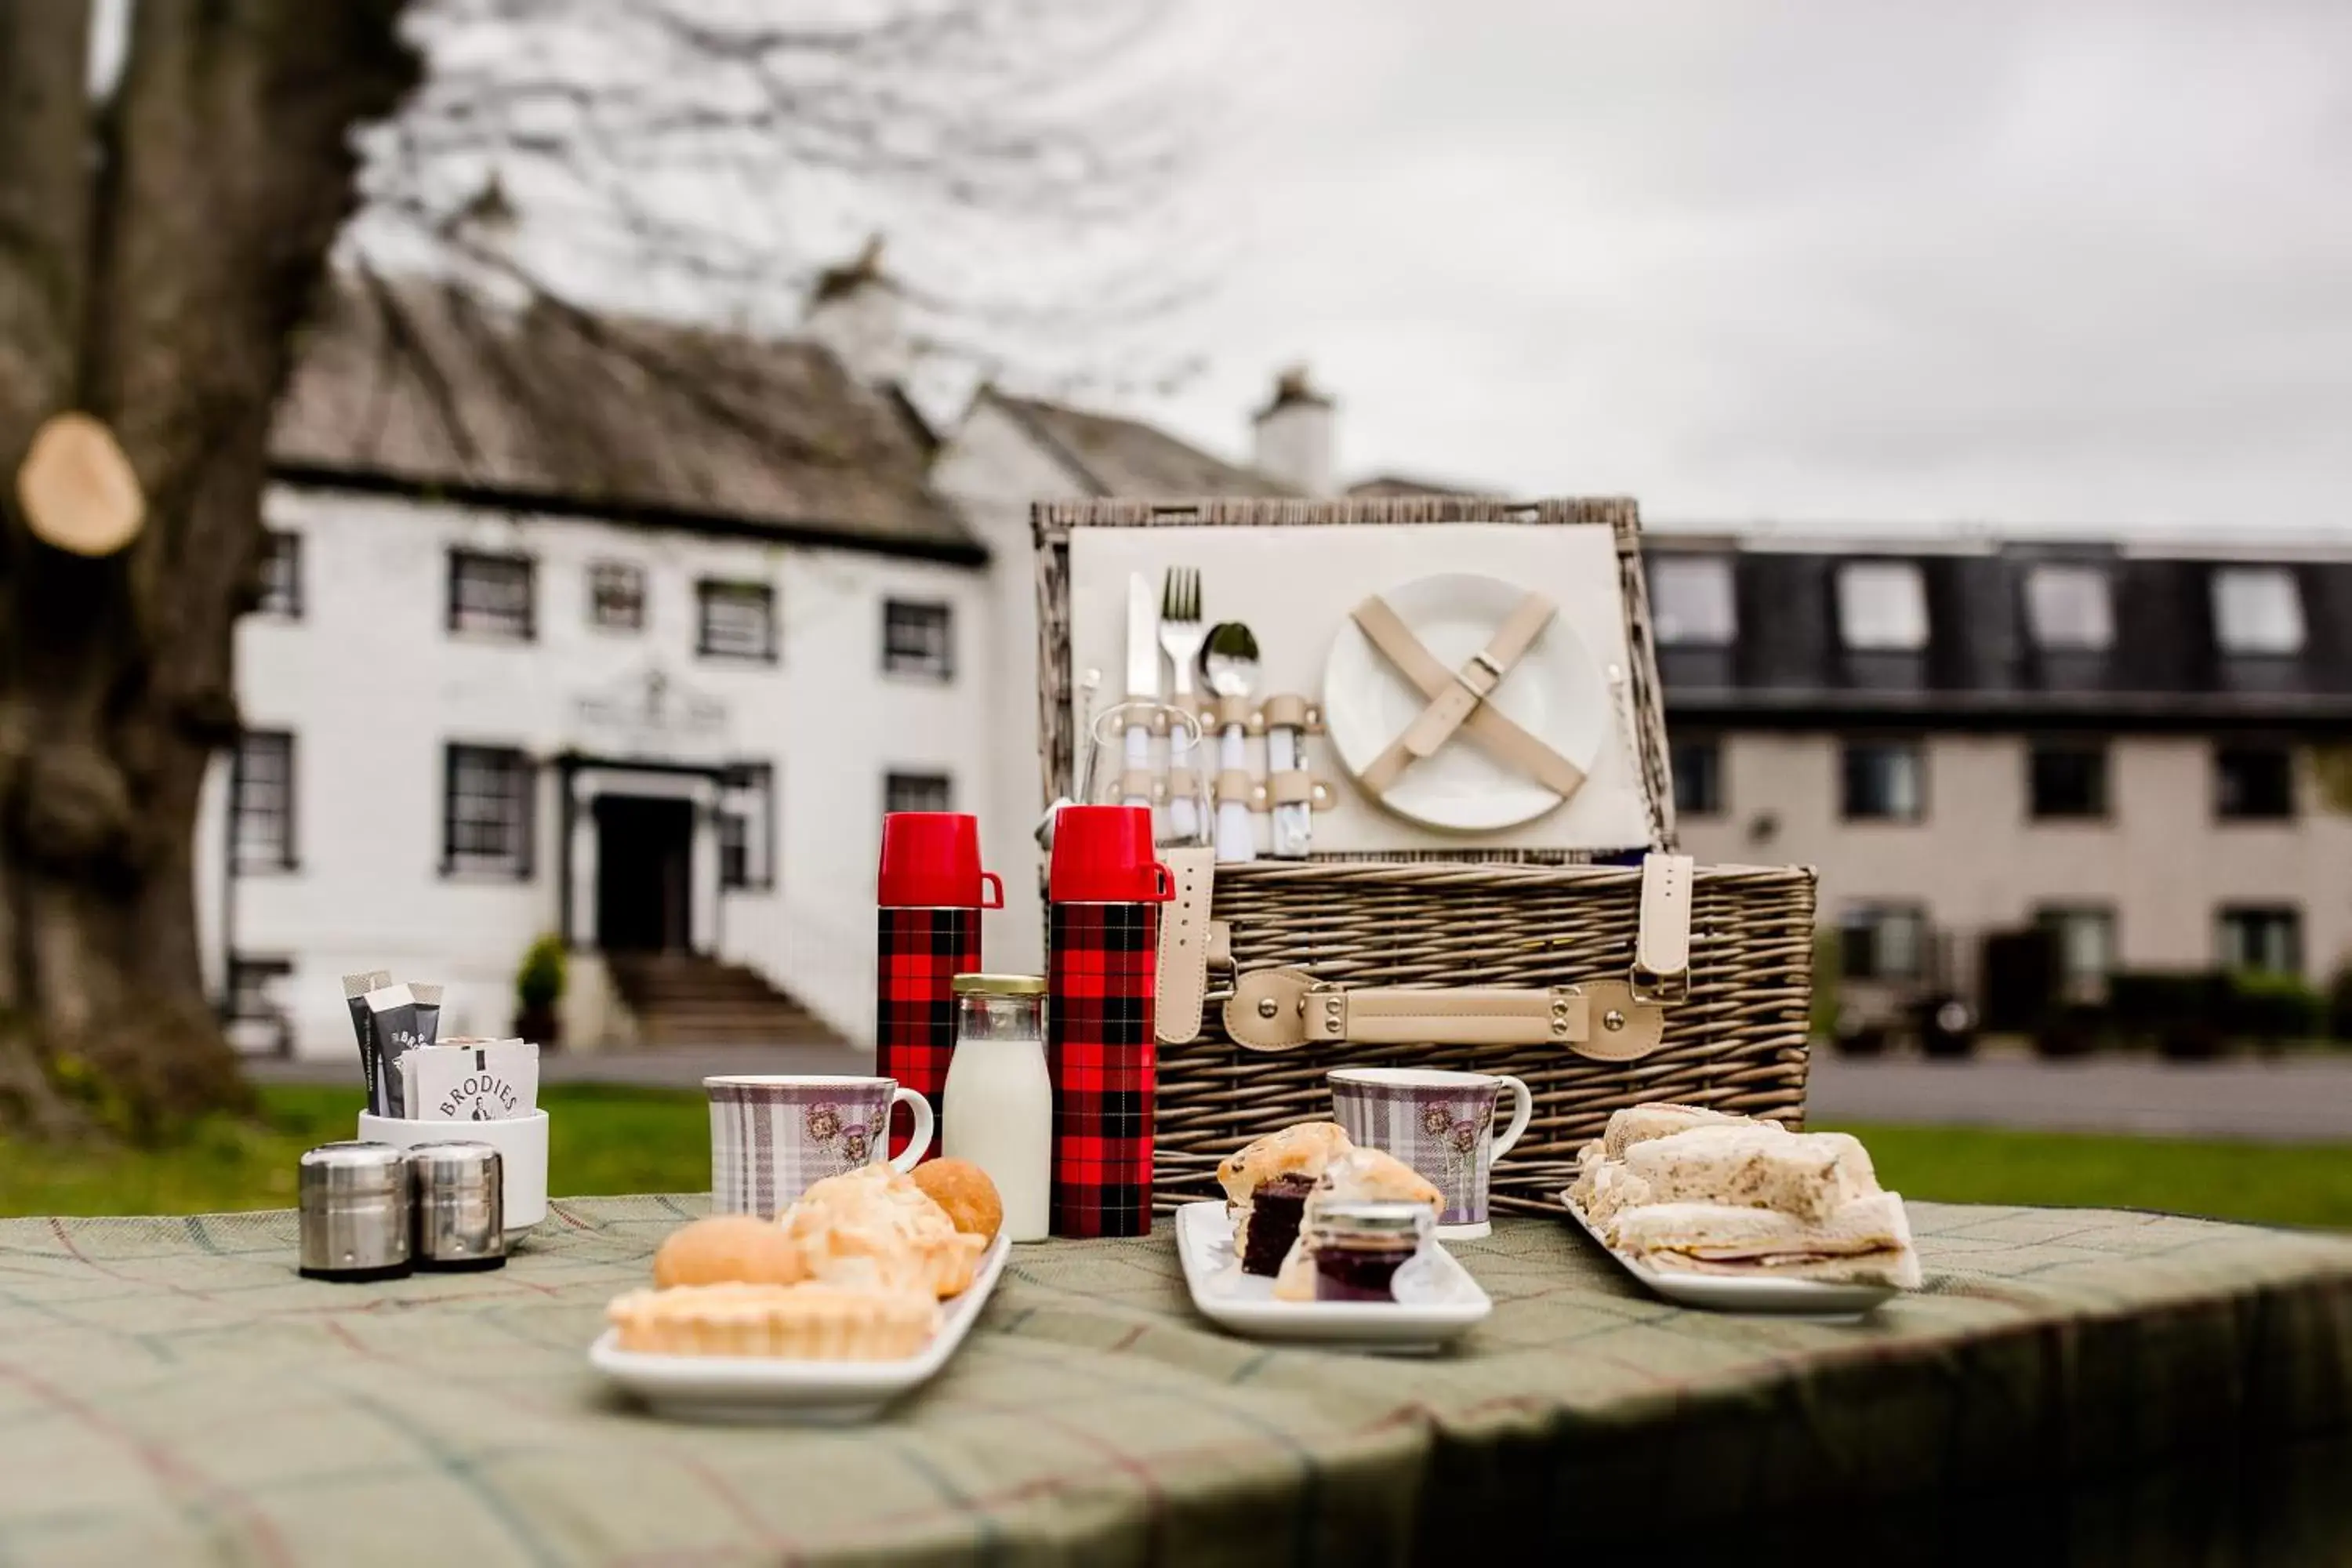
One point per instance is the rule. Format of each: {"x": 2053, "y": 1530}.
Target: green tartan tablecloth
{"x": 2073, "y": 1384}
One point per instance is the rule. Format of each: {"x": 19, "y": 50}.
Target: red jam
{"x": 1359, "y": 1273}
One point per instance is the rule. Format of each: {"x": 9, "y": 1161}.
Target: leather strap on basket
{"x": 1458, "y": 698}
{"x": 1283, "y": 1009}
{"x": 1183, "y": 979}
{"x": 1662, "y": 940}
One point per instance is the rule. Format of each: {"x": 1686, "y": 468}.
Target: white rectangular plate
{"x": 1449, "y": 1304}
{"x": 765, "y": 1388}
{"x": 1744, "y": 1293}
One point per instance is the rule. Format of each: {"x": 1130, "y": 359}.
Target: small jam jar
{"x": 1358, "y": 1247}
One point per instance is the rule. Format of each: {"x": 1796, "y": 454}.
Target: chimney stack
{"x": 1295, "y": 434}
{"x": 856, "y": 312}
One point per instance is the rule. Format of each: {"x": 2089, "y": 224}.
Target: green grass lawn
{"x": 626, "y": 1140}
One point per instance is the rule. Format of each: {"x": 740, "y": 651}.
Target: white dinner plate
{"x": 1814, "y": 1299}
{"x": 1443, "y": 1304}
{"x": 768, "y": 1388}
{"x": 1557, "y": 692}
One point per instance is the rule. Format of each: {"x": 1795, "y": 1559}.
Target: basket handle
{"x": 1283, "y": 1009}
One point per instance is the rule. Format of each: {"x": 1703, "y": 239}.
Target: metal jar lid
{"x": 460, "y": 1204}
{"x": 354, "y": 1204}
{"x": 1370, "y": 1223}
{"x": 998, "y": 986}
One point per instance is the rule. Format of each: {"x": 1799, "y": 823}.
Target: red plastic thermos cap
{"x": 931, "y": 860}
{"x": 1102, "y": 855}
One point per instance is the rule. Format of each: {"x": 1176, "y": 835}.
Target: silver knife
{"x": 1143, "y": 670}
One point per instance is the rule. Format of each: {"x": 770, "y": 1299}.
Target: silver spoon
{"x": 1229, "y": 666}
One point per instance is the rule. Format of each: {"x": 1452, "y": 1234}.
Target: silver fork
{"x": 1181, "y": 632}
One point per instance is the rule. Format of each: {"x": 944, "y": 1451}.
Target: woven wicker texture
{"x": 1738, "y": 1043}
{"x": 1482, "y": 917}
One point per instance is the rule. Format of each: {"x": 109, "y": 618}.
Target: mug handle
{"x": 1163, "y": 883}
{"x": 918, "y": 1142}
{"x": 1523, "y": 1111}
{"x": 991, "y": 890}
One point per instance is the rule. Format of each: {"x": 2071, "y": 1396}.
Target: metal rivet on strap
{"x": 1612, "y": 1020}
{"x": 1267, "y": 1007}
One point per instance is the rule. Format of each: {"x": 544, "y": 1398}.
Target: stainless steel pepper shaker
{"x": 460, "y": 1200}
{"x": 355, "y": 1201}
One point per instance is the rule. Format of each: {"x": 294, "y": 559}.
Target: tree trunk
{"x": 157, "y": 252}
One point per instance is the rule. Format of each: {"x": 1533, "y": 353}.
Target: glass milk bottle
{"x": 1003, "y": 1098}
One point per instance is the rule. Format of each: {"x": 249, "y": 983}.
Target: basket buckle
{"x": 1649, "y": 986}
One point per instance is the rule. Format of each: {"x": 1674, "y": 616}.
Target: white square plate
{"x": 1447, "y": 1303}
{"x": 1759, "y": 1294}
{"x": 765, "y": 1388}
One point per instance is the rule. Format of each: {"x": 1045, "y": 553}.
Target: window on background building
{"x": 2257, "y": 611}
{"x": 2254, "y": 783}
{"x": 917, "y": 639}
{"x": 616, "y": 597}
{"x": 1883, "y": 942}
{"x": 1691, "y": 601}
{"x": 281, "y": 575}
{"x": 253, "y": 1001}
{"x": 261, "y": 802}
{"x": 490, "y": 596}
{"x": 1698, "y": 777}
{"x": 1882, "y": 607}
{"x": 917, "y": 792}
{"x": 2069, "y": 610}
{"x": 2085, "y": 935}
{"x": 746, "y": 827}
{"x": 1884, "y": 781}
{"x": 487, "y": 812}
{"x": 2265, "y": 939}
{"x": 738, "y": 620}
{"x": 2068, "y": 778}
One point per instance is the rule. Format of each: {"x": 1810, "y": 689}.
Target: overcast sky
{"x": 2041, "y": 264}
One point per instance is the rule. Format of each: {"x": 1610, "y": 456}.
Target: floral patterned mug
{"x": 774, "y": 1135}
{"x": 1441, "y": 1123}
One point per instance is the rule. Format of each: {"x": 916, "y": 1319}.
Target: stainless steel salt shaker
{"x": 354, "y": 1200}
{"x": 460, "y": 1201}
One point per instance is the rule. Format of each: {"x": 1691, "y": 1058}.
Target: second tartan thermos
{"x": 1104, "y": 895}
{"x": 930, "y": 891}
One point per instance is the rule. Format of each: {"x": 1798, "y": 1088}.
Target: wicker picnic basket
{"x": 1729, "y": 1031}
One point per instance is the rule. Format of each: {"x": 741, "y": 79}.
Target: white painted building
{"x": 622, "y": 634}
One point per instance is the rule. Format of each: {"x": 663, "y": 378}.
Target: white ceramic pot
{"x": 522, "y": 1143}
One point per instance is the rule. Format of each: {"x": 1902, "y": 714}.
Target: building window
{"x": 486, "y": 818}
{"x": 1691, "y": 601}
{"x": 616, "y": 597}
{"x": 1884, "y": 781}
{"x": 2085, "y": 938}
{"x": 2069, "y": 610}
{"x": 738, "y": 620}
{"x": 261, "y": 802}
{"x": 281, "y": 575}
{"x": 254, "y": 1012}
{"x": 490, "y": 596}
{"x": 1698, "y": 777}
{"x": 2266, "y": 939}
{"x": 2254, "y": 783}
{"x": 747, "y": 821}
{"x": 917, "y": 639}
{"x": 1883, "y": 942}
{"x": 2257, "y": 611}
{"x": 2068, "y": 778}
{"x": 917, "y": 792}
{"x": 1882, "y": 607}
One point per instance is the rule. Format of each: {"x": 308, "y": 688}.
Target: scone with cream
{"x": 873, "y": 1227}
{"x": 1266, "y": 1183}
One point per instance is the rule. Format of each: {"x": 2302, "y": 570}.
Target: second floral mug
{"x": 775, "y": 1135}
{"x": 1441, "y": 1123}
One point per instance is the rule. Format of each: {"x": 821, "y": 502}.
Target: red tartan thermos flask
{"x": 930, "y": 890}
{"x": 1103, "y": 894}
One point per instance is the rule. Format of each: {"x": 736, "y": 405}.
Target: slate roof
{"x": 414, "y": 385}
{"x": 1787, "y": 665}
{"x": 1114, "y": 456}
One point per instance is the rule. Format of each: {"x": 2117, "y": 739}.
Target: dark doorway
{"x": 644, "y": 883}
